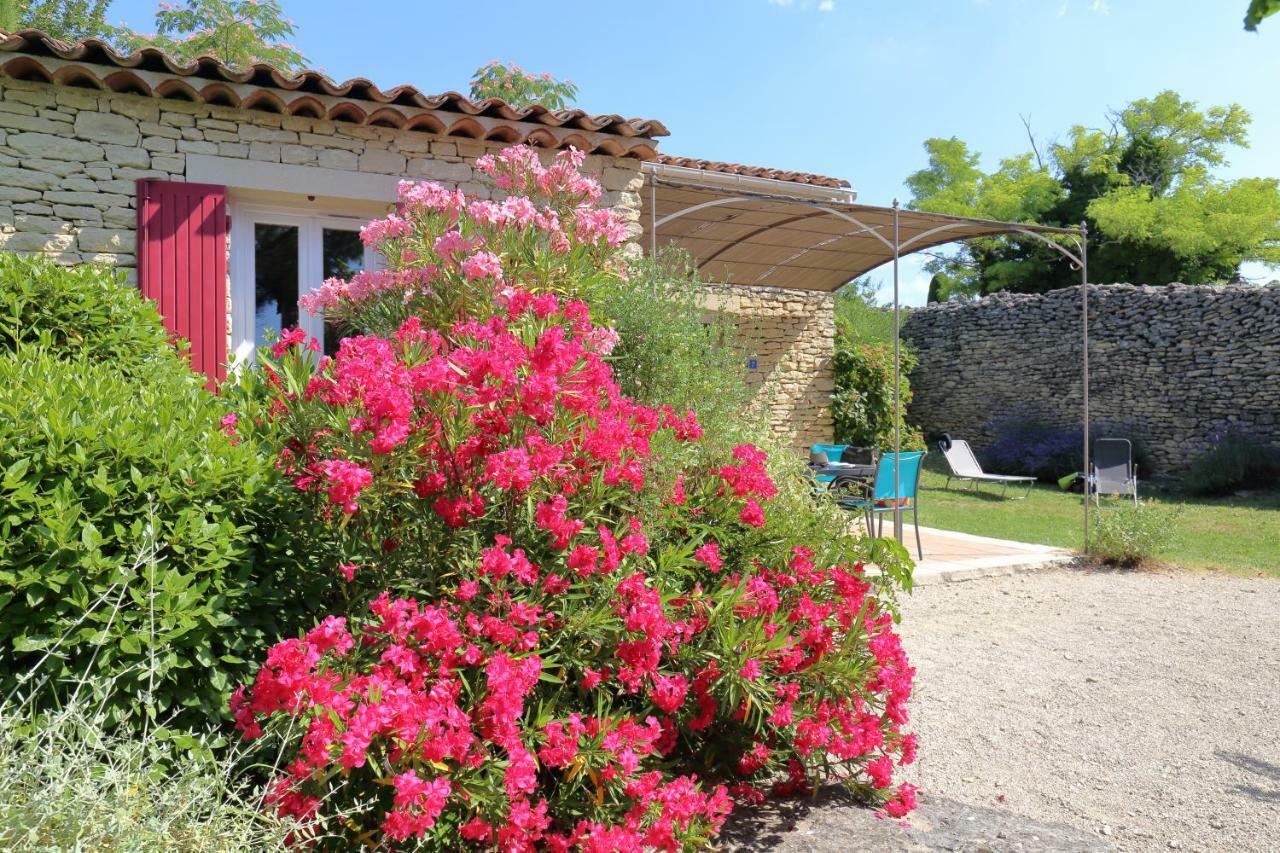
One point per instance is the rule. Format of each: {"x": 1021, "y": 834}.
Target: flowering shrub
{"x": 569, "y": 627}
{"x": 520, "y": 88}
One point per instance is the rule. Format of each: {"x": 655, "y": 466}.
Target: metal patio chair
{"x": 964, "y": 466}
{"x": 1112, "y": 470}
{"x": 882, "y": 498}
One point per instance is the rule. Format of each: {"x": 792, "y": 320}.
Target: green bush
{"x": 858, "y": 318}
{"x": 1236, "y": 461}
{"x": 97, "y": 467}
{"x": 68, "y": 782}
{"x": 863, "y": 402}
{"x": 77, "y": 311}
{"x": 1127, "y": 535}
{"x": 672, "y": 351}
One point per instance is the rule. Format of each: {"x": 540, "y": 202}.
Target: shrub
{"x": 863, "y": 402}
{"x": 670, "y": 351}
{"x": 1125, "y": 534}
{"x": 1033, "y": 447}
{"x": 556, "y": 638}
{"x": 69, "y": 781}
{"x": 1047, "y": 451}
{"x": 82, "y": 311}
{"x": 859, "y": 320}
{"x": 1236, "y": 460}
{"x": 94, "y": 467}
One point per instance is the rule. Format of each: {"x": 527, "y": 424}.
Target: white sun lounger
{"x": 964, "y": 466}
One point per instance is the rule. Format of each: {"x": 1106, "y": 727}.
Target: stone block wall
{"x": 70, "y": 158}
{"x": 790, "y": 335}
{"x": 1167, "y": 364}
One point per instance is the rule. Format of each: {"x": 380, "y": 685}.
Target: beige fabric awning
{"x": 794, "y": 238}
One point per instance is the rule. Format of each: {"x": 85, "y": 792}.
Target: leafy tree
{"x": 863, "y": 366}
{"x": 1144, "y": 185}
{"x": 1259, "y": 9}
{"x": 519, "y": 88}
{"x": 68, "y": 20}
{"x": 238, "y": 32}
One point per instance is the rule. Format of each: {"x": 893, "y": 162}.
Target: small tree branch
{"x": 1035, "y": 149}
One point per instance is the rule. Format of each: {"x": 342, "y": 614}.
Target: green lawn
{"x": 1239, "y": 535}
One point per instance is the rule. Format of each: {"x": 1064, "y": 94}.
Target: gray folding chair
{"x": 1112, "y": 469}
{"x": 964, "y": 465}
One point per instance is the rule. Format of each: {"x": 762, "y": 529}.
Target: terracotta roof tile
{"x": 752, "y": 171}
{"x": 34, "y": 55}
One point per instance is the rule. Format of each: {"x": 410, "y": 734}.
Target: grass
{"x": 1237, "y": 535}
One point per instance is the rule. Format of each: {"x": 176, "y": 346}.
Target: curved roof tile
{"x": 301, "y": 90}
{"x": 752, "y": 171}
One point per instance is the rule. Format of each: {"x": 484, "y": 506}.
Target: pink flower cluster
{"x": 396, "y": 694}
{"x": 603, "y": 623}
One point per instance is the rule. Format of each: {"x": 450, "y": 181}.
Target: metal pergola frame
{"x": 895, "y": 249}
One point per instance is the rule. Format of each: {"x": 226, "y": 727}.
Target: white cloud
{"x": 1102, "y": 7}
{"x": 805, "y": 5}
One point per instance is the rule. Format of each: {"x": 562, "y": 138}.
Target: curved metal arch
{"x": 1073, "y": 258}
{"x": 873, "y": 230}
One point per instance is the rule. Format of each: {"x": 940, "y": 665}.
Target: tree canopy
{"x": 1259, "y": 9}
{"x": 520, "y": 88}
{"x": 1144, "y": 184}
{"x": 68, "y": 20}
{"x": 238, "y": 32}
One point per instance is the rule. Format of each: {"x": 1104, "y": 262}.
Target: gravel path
{"x": 1078, "y": 710}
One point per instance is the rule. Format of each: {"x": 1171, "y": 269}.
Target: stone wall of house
{"x": 1168, "y": 365}
{"x": 790, "y": 337}
{"x": 70, "y": 158}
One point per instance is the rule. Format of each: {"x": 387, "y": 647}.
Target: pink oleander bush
{"x": 570, "y": 623}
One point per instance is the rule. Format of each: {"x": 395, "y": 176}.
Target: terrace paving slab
{"x": 950, "y": 556}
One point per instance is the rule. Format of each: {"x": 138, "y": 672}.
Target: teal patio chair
{"x": 882, "y": 497}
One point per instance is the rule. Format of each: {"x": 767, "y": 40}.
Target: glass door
{"x": 276, "y": 257}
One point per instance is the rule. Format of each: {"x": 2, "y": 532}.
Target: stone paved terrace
{"x": 952, "y": 556}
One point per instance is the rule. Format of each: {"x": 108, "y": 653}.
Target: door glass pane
{"x": 275, "y": 280}
{"x": 343, "y": 258}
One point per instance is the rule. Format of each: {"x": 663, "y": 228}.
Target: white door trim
{"x": 311, "y": 228}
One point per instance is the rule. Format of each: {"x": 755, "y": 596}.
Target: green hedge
{"x": 94, "y": 466}
{"x": 85, "y": 311}
{"x": 109, "y": 445}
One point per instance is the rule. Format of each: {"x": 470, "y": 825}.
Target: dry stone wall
{"x": 1167, "y": 364}
{"x": 789, "y": 336}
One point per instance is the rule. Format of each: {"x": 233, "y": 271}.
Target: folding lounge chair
{"x": 1112, "y": 469}
{"x": 964, "y": 466}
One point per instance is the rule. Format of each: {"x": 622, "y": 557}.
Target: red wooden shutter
{"x": 182, "y": 265}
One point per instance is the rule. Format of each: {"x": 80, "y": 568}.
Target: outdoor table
{"x": 866, "y": 473}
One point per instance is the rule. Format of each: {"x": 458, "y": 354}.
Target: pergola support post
{"x": 897, "y": 384}
{"x": 1084, "y": 366}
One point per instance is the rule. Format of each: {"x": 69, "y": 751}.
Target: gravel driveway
{"x": 1078, "y": 710}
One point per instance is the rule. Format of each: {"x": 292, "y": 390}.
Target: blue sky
{"x": 840, "y": 87}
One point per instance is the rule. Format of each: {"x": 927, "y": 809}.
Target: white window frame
{"x": 311, "y": 227}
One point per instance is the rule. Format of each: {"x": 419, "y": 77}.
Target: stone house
{"x": 227, "y": 194}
